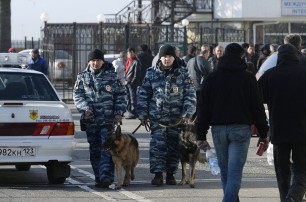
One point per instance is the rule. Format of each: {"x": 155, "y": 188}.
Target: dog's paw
{"x": 191, "y": 185}
{"x": 117, "y": 187}
{"x": 182, "y": 183}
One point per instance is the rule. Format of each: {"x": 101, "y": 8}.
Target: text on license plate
{"x": 17, "y": 151}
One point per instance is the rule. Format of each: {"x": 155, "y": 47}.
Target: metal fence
{"x": 76, "y": 40}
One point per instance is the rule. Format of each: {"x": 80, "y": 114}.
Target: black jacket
{"x": 284, "y": 90}
{"x": 133, "y": 74}
{"x": 145, "y": 59}
{"x": 230, "y": 95}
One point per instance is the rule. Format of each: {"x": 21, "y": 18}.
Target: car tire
{"x": 23, "y": 167}
{"x": 57, "y": 172}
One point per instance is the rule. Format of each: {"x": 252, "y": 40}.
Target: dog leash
{"x": 147, "y": 127}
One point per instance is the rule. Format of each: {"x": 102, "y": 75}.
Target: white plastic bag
{"x": 270, "y": 157}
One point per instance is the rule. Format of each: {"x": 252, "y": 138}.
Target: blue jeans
{"x": 231, "y": 143}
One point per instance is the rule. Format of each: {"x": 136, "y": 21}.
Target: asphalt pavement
{"x": 258, "y": 183}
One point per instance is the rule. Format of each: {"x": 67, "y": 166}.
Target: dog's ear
{"x": 118, "y": 130}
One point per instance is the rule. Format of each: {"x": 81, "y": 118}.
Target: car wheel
{"x": 23, "y": 167}
{"x": 57, "y": 172}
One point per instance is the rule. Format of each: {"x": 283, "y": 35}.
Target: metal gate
{"x": 66, "y": 46}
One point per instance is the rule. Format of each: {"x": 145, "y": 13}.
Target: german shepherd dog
{"x": 189, "y": 153}
{"x": 125, "y": 154}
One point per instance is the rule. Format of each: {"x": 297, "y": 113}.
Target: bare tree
{"x": 5, "y": 25}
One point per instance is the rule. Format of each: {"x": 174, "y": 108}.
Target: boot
{"x": 158, "y": 179}
{"x": 170, "y": 180}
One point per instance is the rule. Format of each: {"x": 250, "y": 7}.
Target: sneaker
{"x": 157, "y": 180}
{"x": 104, "y": 183}
{"x": 170, "y": 180}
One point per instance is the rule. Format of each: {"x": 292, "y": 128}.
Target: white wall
{"x": 250, "y": 10}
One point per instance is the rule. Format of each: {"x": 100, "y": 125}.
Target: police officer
{"x": 100, "y": 96}
{"x": 166, "y": 97}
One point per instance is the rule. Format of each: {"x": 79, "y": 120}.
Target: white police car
{"x": 36, "y": 126}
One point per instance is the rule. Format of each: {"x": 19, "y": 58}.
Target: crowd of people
{"x": 216, "y": 89}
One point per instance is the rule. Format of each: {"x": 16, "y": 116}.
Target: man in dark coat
{"x": 198, "y": 68}
{"x": 133, "y": 80}
{"x": 284, "y": 90}
{"x": 230, "y": 103}
{"x": 145, "y": 57}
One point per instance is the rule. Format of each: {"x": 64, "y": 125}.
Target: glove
{"x": 203, "y": 144}
{"x": 265, "y": 141}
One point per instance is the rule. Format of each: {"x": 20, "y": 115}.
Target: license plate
{"x": 17, "y": 151}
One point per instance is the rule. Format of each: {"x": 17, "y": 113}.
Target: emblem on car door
{"x": 33, "y": 114}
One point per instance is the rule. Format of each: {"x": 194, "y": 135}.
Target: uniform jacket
{"x": 284, "y": 90}
{"x": 166, "y": 98}
{"x": 103, "y": 93}
{"x": 230, "y": 95}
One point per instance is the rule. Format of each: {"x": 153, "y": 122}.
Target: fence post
{"x": 127, "y": 36}
{"x": 101, "y": 35}
{"x": 185, "y": 40}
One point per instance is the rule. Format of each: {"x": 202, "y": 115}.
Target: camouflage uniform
{"x": 165, "y": 99}
{"x": 104, "y": 93}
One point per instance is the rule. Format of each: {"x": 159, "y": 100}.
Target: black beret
{"x": 167, "y": 50}
{"x": 96, "y": 54}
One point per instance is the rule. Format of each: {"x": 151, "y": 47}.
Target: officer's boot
{"x": 158, "y": 179}
{"x": 170, "y": 180}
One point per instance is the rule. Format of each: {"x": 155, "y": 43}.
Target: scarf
{"x": 128, "y": 63}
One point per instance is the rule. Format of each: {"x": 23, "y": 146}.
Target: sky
{"x": 25, "y": 14}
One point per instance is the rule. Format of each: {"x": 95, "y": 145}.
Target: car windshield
{"x": 20, "y": 86}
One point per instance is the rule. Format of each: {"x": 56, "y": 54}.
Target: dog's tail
{"x": 202, "y": 157}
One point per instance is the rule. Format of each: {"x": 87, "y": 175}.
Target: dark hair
{"x": 130, "y": 49}
{"x": 245, "y": 45}
{"x": 266, "y": 50}
{"x": 144, "y": 47}
{"x": 192, "y": 49}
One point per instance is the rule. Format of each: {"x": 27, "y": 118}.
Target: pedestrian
{"x": 133, "y": 80}
{"x": 191, "y": 52}
{"x": 284, "y": 91}
{"x": 251, "y": 56}
{"x": 166, "y": 98}
{"x": 178, "y": 57}
{"x": 145, "y": 58}
{"x": 119, "y": 65}
{"x": 265, "y": 54}
{"x": 219, "y": 50}
{"x": 230, "y": 103}
{"x": 198, "y": 68}
{"x": 38, "y": 63}
{"x": 99, "y": 95}
{"x": 273, "y": 48}
{"x": 296, "y": 41}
